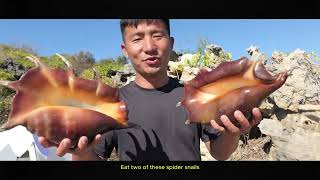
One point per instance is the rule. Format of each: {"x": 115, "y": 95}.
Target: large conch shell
{"x": 56, "y": 104}
{"x": 234, "y": 85}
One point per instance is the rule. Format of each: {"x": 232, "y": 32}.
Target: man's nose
{"x": 149, "y": 46}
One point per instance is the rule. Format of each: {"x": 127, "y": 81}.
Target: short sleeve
{"x": 106, "y": 145}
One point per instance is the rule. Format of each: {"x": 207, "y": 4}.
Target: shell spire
{"x": 68, "y": 63}
{"x": 35, "y": 60}
{"x": 5, "y": 83}
{"x": 96, "y": 74}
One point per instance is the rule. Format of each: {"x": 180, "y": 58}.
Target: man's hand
{"x": 230, "y": 129}
{"x": 227, "y": 142}
{"x": 65, "y": 145}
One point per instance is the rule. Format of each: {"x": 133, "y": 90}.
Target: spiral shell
{"x": 56, "y": 104}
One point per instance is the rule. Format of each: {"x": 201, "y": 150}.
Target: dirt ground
{"x": 259, "y": 149}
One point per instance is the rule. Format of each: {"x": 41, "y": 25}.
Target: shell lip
{"x": 262, "y": 74}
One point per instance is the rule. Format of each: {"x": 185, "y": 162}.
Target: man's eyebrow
{"x": 137, "y": 34}
{"x": 152, "y": 32}
{"x": 158, "y": 31}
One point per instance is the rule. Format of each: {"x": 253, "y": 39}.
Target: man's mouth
{"x": 152, "y": 60}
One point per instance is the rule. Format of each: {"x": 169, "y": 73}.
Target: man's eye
{"x": 136, "y": 39}
{"x": 158, "y": 36}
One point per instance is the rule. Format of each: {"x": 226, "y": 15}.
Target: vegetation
{"x": 191, "y": 62}
{"x": 313, "y": 57}
{"x": 4, "y": 75}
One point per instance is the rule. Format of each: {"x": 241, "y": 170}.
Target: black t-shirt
{"x": 163, "y": 134}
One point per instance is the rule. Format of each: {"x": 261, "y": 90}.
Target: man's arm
{"x": 227, "y": 142}
{"x": 222, "y": 147}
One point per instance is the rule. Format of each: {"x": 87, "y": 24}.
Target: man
{"x": 151, "y": 101}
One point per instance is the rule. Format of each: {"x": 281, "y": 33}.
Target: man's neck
{"x": 151, "y": 82}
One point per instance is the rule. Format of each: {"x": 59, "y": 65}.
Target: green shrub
{"x": 18, "y": 55}
{"x": 102, "y": 69}
{"x": 313, "y": 57}
{"x": 6, "y": 75}
{"x": 87, "y": 74}
{"x": 54, "y": 62}
{"x": 1, "y": 61}
{"x": 5, "y": 107}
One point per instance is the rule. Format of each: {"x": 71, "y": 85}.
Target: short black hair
{"x": 135, "y": 22}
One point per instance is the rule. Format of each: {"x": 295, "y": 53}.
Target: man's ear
{"x": 124, "y": 50}
{"x": 171, "y": 42}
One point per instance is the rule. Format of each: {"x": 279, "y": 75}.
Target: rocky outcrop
{"x": 123, "y": 77}
{"x": 293, "y": 111}
{"x": 295, "y": 137}
{"x": 13, "y": 67}
{"x": 303, "y": 85}
{"x": 213, "y": 48}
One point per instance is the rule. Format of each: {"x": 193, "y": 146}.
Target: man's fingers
{"x": 65, "y": 144}
{"x": 243, "y": 121}
{"x": 97, "y": 139}
{"x": 257, "y": 116}
{"x": 44, "y": 142}
{"x": 63, "y": 147}
{"x": 83, "y": 143}
{"x": 228, "y": 124}
{"x": 216, "y": 126}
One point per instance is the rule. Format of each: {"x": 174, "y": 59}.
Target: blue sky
{"x": 102, "y": 36}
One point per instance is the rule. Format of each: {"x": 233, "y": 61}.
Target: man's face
{"x": 148, "y": 47}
